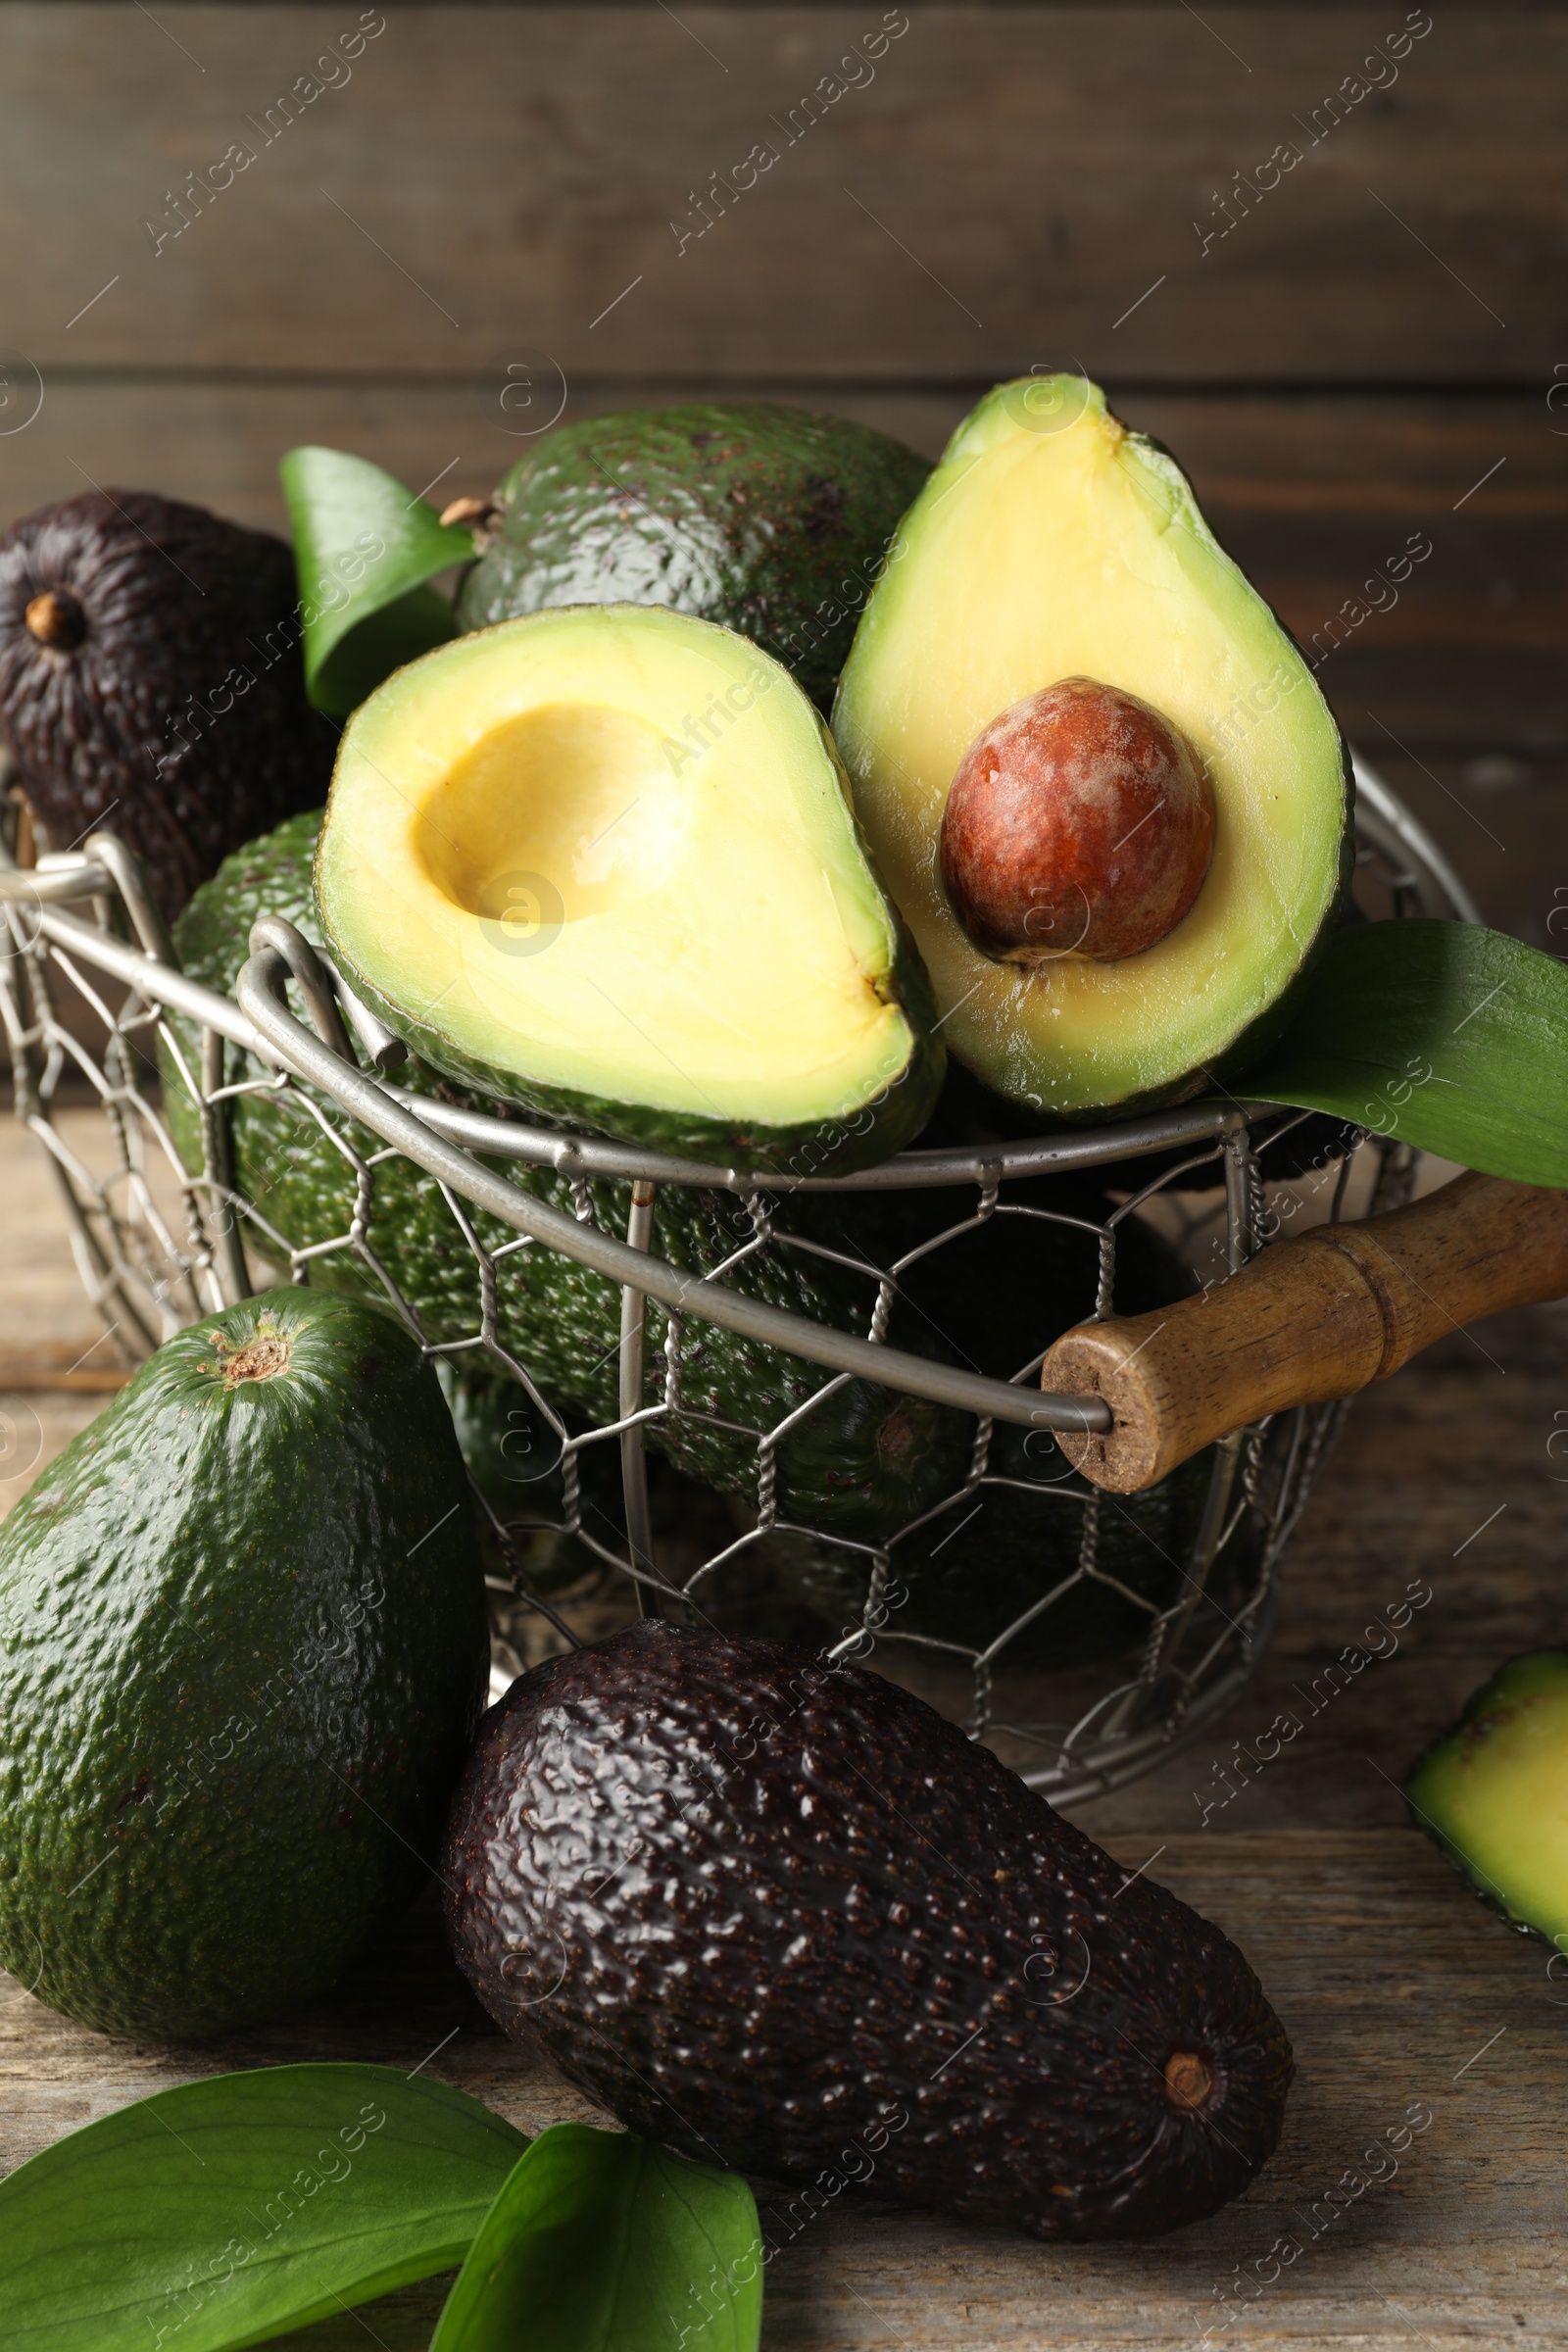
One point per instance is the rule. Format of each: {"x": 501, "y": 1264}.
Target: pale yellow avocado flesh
{"x": 1052, "y": 543}
{"x": 1496, "y": 1791}
{"x": 611, "y": 850}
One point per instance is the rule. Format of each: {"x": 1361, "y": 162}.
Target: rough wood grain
{"x": 997, "y": 188}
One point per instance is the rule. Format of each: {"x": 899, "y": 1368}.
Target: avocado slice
{"x": 242, "y": 1651}
{"x": 774, "y": 520}
{"x": 1052, "y": 551}
{"x": 602, "y": 862}
{"x": 1493, "y": 1792}
{"x": 783, "y": 1917}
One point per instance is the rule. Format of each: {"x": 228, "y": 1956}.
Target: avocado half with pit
{"x": 602, "y": 862}
{"x": 1493, "y": 1792}
{"x": 1096, "y": 774}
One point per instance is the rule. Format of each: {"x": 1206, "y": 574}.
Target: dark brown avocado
{"x": 771, "y": 1911}
{"x": 151, "y": 681}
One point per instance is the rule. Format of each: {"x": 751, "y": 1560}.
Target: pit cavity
{"x": 573, "y": 808}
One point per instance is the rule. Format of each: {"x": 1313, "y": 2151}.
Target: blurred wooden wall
{"x": 1350, "y": 349}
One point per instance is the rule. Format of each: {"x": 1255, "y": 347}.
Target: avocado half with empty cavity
{"x": 602, "y": 862}
{"x": 1492, "y": 1793}
{"x": 1097, "y": 775}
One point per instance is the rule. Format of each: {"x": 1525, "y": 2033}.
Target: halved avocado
{"x": 602, "y": 862}
{"x": 1052, "y": 548}
{"x": 1493, "y": 1792}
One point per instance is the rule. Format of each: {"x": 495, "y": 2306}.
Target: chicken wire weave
{"x": 158, "y": 1244}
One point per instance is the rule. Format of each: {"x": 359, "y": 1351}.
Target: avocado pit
{"x": 1080, "y": 823}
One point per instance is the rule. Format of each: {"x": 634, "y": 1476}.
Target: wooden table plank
{"x": 1025, "y": 180}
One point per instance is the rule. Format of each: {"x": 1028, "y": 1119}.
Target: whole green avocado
{"x": 243, "y": 1644}
{"x": 784, "y": 1916}
{"x": 772, "y": 521}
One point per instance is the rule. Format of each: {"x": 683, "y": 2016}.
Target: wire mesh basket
{"x": 864, "y": 1463}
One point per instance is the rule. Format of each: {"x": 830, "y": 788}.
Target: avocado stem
{"x": 262, "y": 1356}
{"x": 1188, "y": 2079}
{"x": 56, "y": 618}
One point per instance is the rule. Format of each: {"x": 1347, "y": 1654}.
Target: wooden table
{"x": 1396, "y": 1985}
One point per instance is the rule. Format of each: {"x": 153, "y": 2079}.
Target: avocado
{"x": 864, "y": 1461}
{"x": 772, "y": 521}
{"x": 1491, "y": 1792}
{"x": 602, "y": 862}
{"x": 772, "y": 1912}
{"x": 242, "y": 1651}
{"x": 1099, "y": 778}
{"x": 151, "y": 681}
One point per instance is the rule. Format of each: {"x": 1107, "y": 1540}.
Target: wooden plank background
{"x": 490, "y": 187}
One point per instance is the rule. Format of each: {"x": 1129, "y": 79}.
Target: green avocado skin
{"x": 863, "y": 1463}
{"x": 771, "y": 521}
{"x": 852, "y": 1137}
{"x": 243, "y": 1644}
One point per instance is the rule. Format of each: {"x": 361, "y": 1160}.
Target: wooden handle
{"x": 1306, "y": 1321}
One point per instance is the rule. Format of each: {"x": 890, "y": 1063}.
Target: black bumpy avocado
{"x": 767, "y": 1911}
{"x": 151, "y": 681}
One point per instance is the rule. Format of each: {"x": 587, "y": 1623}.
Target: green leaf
{"x": 363, "y": 550}
{"x": 224, "y": 2212}
{"x": 603, "y": 2242}
{"x": 1445, "y": 1035}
